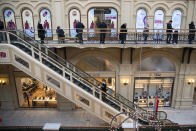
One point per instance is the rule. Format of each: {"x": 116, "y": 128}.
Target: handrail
{"x": 77, "y": 71}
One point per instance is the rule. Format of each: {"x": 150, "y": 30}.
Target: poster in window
{"x": 46, "y": 22}
{"x": 176, "y": 19}
{"x": 74, "y": 16}
{"x": 113, "y": 21}
{"x": 91, "y": 22}
{"x": 9, "y": 17}
{"x": 141, "y": 20}
{"x": 158, "y": 24}
{"x": 27, "y": 19}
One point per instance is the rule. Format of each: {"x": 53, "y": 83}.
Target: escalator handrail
{"x": 76, "y": 72}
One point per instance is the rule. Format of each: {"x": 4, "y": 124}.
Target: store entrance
{"x": 146, "y": 89}
{"x": 32, "y": 93}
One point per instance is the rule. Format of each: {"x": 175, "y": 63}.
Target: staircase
{"x": 67, "y": 80}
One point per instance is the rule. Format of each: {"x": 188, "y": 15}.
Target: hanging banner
{"x": 74, "y": 16}
{"x": 27, "y": 19}
{"x": 9, "y": 18}
{"x": 158, "y": 24}
{"x": 46, "y": 22}
{"x": 91, "y": 23}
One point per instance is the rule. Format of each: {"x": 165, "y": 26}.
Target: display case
{"x": 147, "y": 88}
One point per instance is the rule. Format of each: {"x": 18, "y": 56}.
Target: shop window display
{"x": 108, "y": 15}
{"x": 141, "y": 20}
{"x": 27, "y": 20}
{"x": 9, "y": 18}
{"x": 74, "y": 16}
{"x": 158, "y": 24}
{"x": 45, "y": 17}
{"x": 147, "y": 88}
{"x": 34, "y": 94}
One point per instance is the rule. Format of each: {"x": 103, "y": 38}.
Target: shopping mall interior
{"x": 146, "y": 76}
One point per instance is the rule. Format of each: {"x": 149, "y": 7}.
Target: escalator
{"x": 72, "y": 83}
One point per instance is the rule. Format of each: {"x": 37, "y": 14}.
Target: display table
{"x": 51, "y": 126}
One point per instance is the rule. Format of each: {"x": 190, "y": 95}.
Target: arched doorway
{"x": 155, "y": 79}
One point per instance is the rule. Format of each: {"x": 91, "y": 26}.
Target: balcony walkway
{"x": 79, "y": 117}
{"x": 116, "y": 44}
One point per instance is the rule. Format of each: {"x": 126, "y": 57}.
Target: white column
{"x": 125, "y": 13}
{"x": 190, "y": 12}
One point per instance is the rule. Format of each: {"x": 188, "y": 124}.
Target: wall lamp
{"x": 124, "y": 81}
{"x": 2, "y": 82}
{"x": 190, "y": 81}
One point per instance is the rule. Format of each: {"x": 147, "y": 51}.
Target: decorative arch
{"x": 143, "y": 5}
{"x": 9, "y": 19}
{"x": 46, "y": 21}
{"x": 74, "y": 5}
{"x": 74, "y": 16}
{"x": 28, "y": 22}
{"x": 156, "y": 63}
{"x": 20, "y": 6}
{"x": 76, "y": 58}
{"x": 41, "y": 5}
{"x": 178, "y": 6}
{"x": 99, "y": 4}
{"x": 160, "y": 6}
{"x": 165, "y": 54}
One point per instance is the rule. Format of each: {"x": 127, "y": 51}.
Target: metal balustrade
{"x": 134, "y": 36}
{"x": 78, "y": 77}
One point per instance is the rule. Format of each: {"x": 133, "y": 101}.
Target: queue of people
{"x": 171, "y": 34}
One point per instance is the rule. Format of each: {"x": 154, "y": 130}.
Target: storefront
{"x": 146, "y": 89}
{"x": 155, "y": 78}
{"x": 32, "y": 93}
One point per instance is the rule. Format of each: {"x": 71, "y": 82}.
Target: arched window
{"x": 45, "y": 17}
{"x": 9, "y": 18}
{"x": 27, "y": 20}
{"x": 158, "y": 23}
{"x": 74, "y": 16}
{"x": 156, "y": 63}
{"x": 106, "y": 14}
{"x": 158, "y": 20}
{"x": 141, "y": 21}
{"x": 176, "y": 19}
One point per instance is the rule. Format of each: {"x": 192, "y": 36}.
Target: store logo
{"x": 27, "y": 13}
{"x": 2, "y": 54}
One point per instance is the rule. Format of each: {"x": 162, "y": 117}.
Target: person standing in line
{"x": 79, "y": 29}
{"x": 104, "y": 89}
{"x": 169, "y": 31}
{"x": 1, "y": 28}
{"x": 175, "y": 37}
{"x": 145, "y": 33}
{"x": 123, "y": 33}
{"x": 103, "y": 29}
{"x": 41, "y": 32}
{"x": 192, "y": 30}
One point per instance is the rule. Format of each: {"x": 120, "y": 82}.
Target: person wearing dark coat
{"x": 104, "y": 89}
{"x": 175, "y": 37}
{"x": 145, "y": 33}
{"x": 123, "y": 33}
{"x": 1, "y": 28}
{"x": 169, "y": 31}
{"x": 192, "y": 30}
{"x": 79, "y": 30}
{"x": 41, "y": 32}
{"x": 102, "y": 27}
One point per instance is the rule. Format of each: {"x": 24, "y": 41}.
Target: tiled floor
{"x": 37, "y": 117}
